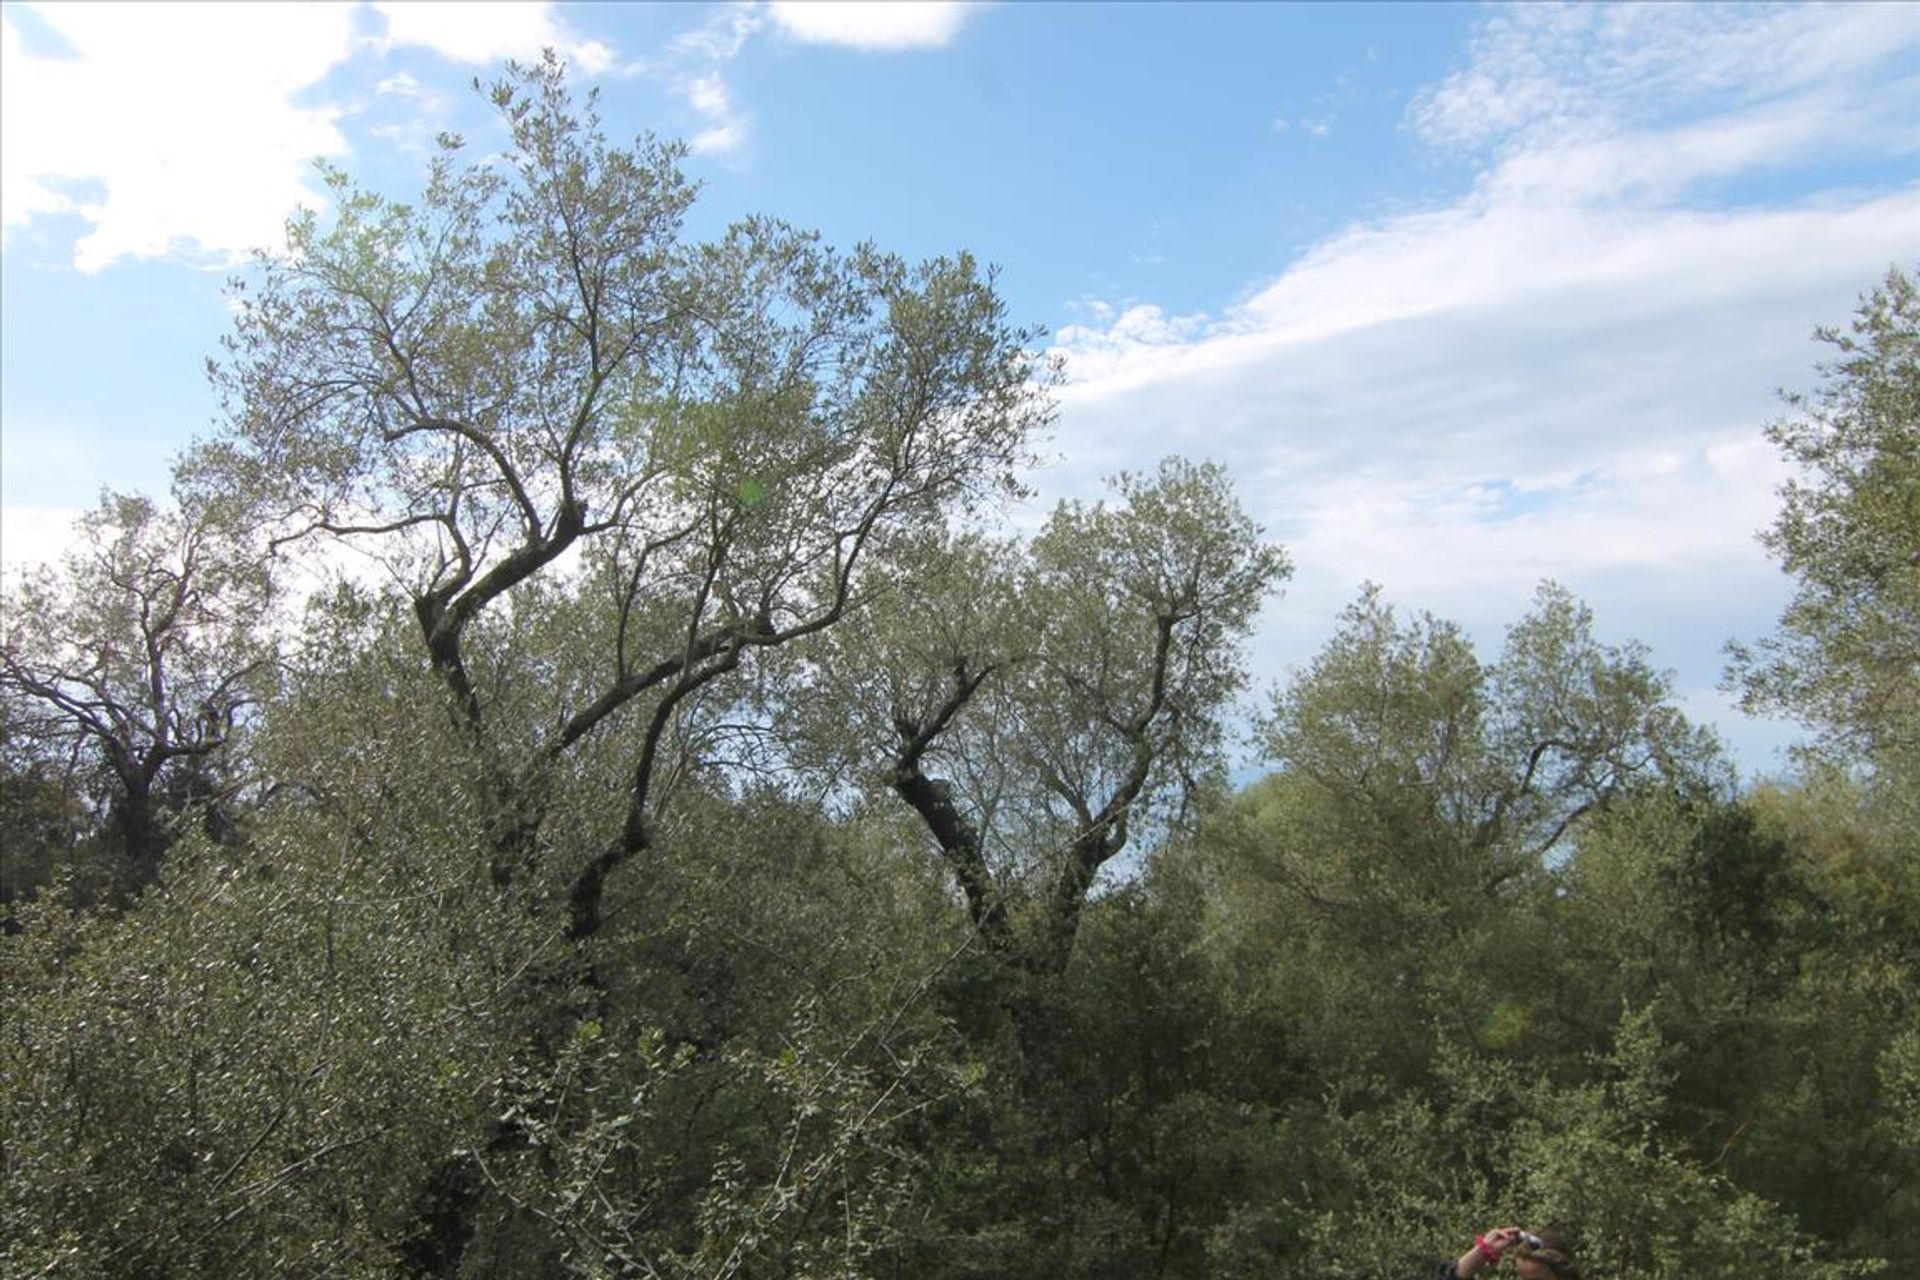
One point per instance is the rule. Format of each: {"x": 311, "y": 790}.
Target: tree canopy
{"x": 1846, "y": 658}
{"x": 585, "y": 779}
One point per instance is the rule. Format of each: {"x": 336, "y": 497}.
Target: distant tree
{"x": 1511, "y": 918}
{"x": 127, "y": 669}
{"x": 1384, "y": 890}
{"x": 1432, "y": 769}
{"x": 1846, "y": 658}
{"x": 1043, "y": 705}
{"x": 47, "y": 822}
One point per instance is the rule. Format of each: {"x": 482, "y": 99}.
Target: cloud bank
{"x": 1564, "y": 372}
{"x": 163, "y": 127}
{"x": 180, "y": 130}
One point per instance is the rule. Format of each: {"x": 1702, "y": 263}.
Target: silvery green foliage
{"x": 1465, "y": 773}
{"x": 604, "y": 466}
{"x": 1043, "y": 705}
{"x": 1846, "y": 659}
{"x": 128, "y": 670}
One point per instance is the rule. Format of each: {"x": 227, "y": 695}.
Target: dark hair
{"x": 1556, "y": 1250}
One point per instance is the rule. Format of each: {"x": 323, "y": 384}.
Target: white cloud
{"x": 400, "y": 85}
{"x": 692, "y": 64}
{"x": 1564, "y": 372}
{"x": 485, "y": 33}
{"x": 708, "y": 95}
{"x": 727, "y": 129}
{"x": 171, "y": 129}
{"x": 721, "y": 140}
{"x": 872, "y": 24}
{"x": 1462, "y": 404}
{"x": 721, "y": 37}
{"x": 1486, "y": 255}
{"x": 175, "y": 120}
{"x": 692, "y": 68}
{"x": 34, "y": 536}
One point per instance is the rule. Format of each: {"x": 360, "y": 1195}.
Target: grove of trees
{"x": 579, "y": 781}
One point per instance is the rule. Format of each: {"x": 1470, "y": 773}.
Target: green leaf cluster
{"x": 577, "y": 785}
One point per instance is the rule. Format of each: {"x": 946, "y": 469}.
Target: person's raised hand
{"x": 1502, "y": 1239}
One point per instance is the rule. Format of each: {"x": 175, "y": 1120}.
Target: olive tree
{"x": 1846, "y": 658}
{"x": 1462, "y": 773}
{"x": 526, "y": 393}
{"x": 605, "y": 470}
{"x": 1039, "y": 704}
{"x": 1394, "y": 873}
{"x": 127, "y": 669}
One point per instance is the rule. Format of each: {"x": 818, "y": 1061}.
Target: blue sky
{"x": 1465, "y": 296}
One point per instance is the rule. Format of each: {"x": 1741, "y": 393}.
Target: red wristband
{"x": 1487, "y": 1251}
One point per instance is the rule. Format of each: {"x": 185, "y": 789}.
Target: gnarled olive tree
{"x": 526, "y": 391}
{"x": 538, "y": 409}
{"x": 126, "y": 667}
{"x": 1040, "y": 703}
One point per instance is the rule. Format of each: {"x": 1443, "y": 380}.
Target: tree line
{"x": 576, "y": 781}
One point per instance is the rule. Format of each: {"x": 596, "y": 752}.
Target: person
{"x": 1547, "y": 1255}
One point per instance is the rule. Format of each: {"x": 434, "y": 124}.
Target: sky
{"x": 1464, "y": 297}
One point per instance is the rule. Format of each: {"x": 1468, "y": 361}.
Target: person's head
{"x": 1552, "y": 1259}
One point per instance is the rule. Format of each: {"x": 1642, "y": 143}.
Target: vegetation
{"x": 572, "y": 786}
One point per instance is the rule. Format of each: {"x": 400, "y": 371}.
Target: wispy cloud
{"x": 1488, "y": 255}
{"x": 1312, "y": 126}
{"x": 693, "y": 67}
{"x": 1598, "y": 210}
{"x": 727, "y": 129}
{"x": 872, "y": 24}
{"x": 1540, "y": 74}
{"x": 721, "y": 37}
{"x": 1563, "y": 372}
{"x": 694, "y": 63}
